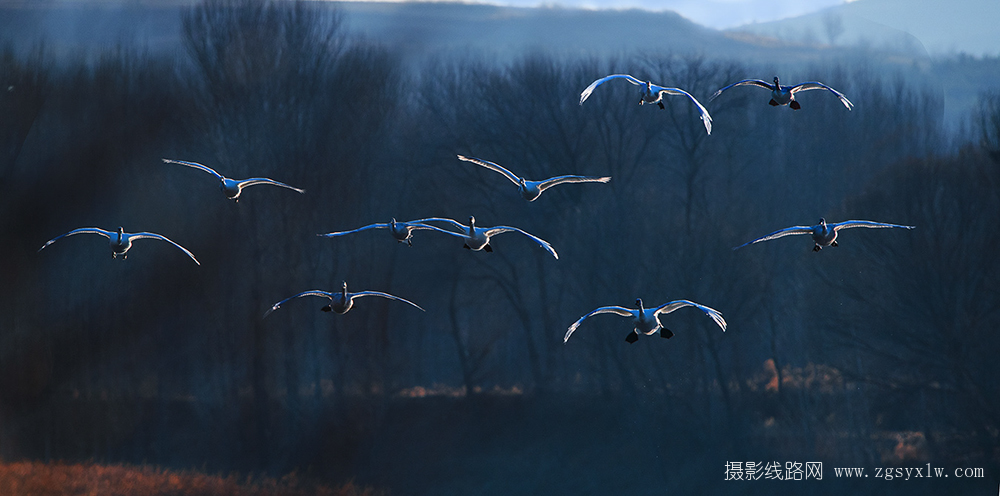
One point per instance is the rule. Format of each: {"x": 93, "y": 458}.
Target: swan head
{"x": 343, "y": 287}
{"x": 392, "y": 222}
{"x": 822, "y": 221}
{"x": 638, "y": 303}
{"x": 472, "y": 221}
{"x": 776, "y": 80}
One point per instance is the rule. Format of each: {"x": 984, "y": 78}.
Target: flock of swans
{"x": 644, "y": 320}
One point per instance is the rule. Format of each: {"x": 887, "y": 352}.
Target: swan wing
{"x": 416, "y": 226}
{"x": 453, "y": 222}
{"x": 311, "y": 292}
{"x": 778, "y": 234}
{"x": 94, "y": 230}
{"x": 755, "y": 82}
{"x": 706, "y": 118}
{"x": 711, "y": 312}
{"x": 814, "y": 85}
{"x": 541, "y": 242}
{"x": 496, "y": 167}
{"x": 149, "y": 235}
{"x": 263, "y": 180}
{"x": 866, "y": 223}
{"x": 196, "y": 165}
{"x": 590, "y": 89}
{"x": 553, "y": 181}
{"x": 624, "y": 312}
{"x": 384, "y": 295}
{"x": 341, "y": 233}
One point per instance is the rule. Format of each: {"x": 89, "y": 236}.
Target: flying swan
{"x": 402, "y": 231}
{"x": 785, "y": 95}
{"x": 120, "y": 241}
{"x": 340, "y": 302}
{"x": 823, "y": 234}
{"x": 530, "y": 190}
{"x": 646, "y": 320}
{"x": 233, "y": 187}
{"x": 651, "y": 94}
{"x": 478, "y": 238}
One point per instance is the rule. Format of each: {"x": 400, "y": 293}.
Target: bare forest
{"x": 880, "y": 352}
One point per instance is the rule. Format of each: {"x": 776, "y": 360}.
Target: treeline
{"x": 281, "y": 90}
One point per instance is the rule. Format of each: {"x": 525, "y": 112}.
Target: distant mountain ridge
{"x": 941, "y": 28}
{"x": 434, "y": 28}
{"x": 416, "y": 29}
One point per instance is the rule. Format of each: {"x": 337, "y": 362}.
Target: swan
{"x": 646, "y": 321}
{"x": 121, "y": 241}
{"x": 340, "y": 302}
{"x": 823, "y": 234}
{"x": 531, "y": 190}
{"x": 402, "y": 231}
{"x": 478, "y": 238}
{"x": 233, "y": 187}
{"x": 652, "y": 94}
{"x": 785, "y": 95}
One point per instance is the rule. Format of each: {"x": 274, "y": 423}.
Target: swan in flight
{"x": 646, "y": 320}
{"x": 233, "y": 187}
{"x": 651, "y": 94}
{"x": 478, "y": 238}
{"x": 785, "y": 95}
{"x": 823, "y": 234}
{"x": 402, "y": 231}
{"x": 121, "y": 241}
{"x": 530, "y": 190}
{"x": 340, "y": 302}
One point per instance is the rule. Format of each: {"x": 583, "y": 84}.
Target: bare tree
{"x": 987, "y": 121}
{"x": 833, "y": 26}
{"x": 925, "y": 307}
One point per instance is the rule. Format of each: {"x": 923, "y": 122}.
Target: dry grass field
{"x": 44, "y": 479}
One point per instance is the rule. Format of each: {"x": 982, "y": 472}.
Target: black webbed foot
{"x": 466, "y": 247}
{"x": 327, "y": 309}
{"x": 409, "y": 243}
{"x": 817, "y": 247}
{"x": 488, "y": 248}
{"x": 665, "y": 333}
{"x": 632, "y": 337}
{"x": 773, "y": 103}
{"x": 795, "y": 105}
{"x": 660, "y": 104}
{"x": 834, "y": 244}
